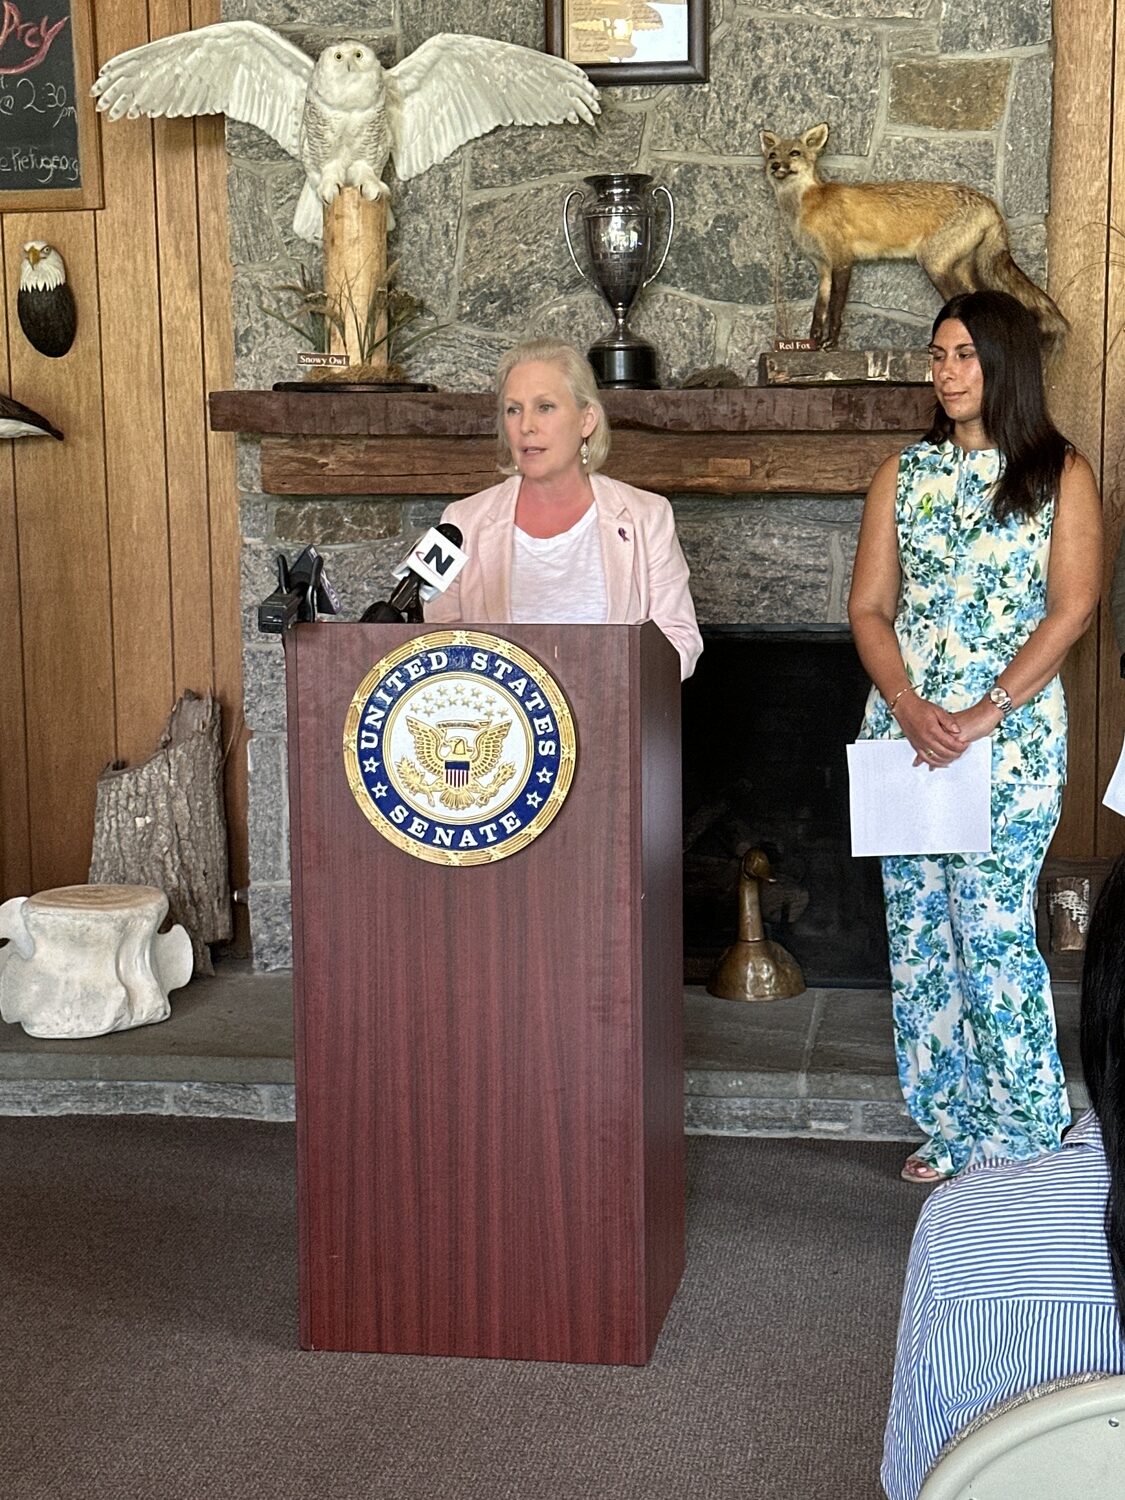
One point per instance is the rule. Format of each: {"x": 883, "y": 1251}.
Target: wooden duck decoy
{"x": 754, "y": 968}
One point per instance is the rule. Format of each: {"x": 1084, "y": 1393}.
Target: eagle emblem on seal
{"x": 458, "y": 761}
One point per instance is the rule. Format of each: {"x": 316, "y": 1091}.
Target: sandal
{"x": 918, "y": 1169}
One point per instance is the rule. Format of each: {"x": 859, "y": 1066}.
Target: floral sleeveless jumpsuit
{"x": 971, "y": 997}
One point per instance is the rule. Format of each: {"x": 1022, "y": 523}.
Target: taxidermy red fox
{"x": 957, "y": 235}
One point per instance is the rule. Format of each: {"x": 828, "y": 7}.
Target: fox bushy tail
{"x": 996, "y": 270}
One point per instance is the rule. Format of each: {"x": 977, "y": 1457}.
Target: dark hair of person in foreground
{"x": 1014, "y": 411}
{"x": 1103, "y": 1056}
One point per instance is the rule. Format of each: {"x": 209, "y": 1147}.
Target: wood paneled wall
{"x": 1086, "y": 242}
{"x": 119, "y": 546}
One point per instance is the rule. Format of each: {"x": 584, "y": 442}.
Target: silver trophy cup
{"x": 617, "y": 214}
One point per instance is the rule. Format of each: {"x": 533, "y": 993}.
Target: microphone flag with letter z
{"x": 436, "y": 560}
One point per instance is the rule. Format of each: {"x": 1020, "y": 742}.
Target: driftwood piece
{"x": 162, "y": 823}
{"x": 807, "y": 367}
{"x": 1068, "y": 912}
{"x": 1066, "y": 887}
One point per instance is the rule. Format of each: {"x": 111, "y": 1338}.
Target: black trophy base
{"x": 624, "y": 367}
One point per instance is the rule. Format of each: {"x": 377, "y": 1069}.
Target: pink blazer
{"x": 646, "y": 575}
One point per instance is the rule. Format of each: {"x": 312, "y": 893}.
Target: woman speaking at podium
{"x": 558, "y": 542}
{"x": 978, "y": 567}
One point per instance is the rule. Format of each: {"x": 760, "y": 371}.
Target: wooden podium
{"x": 489, "y": 1059}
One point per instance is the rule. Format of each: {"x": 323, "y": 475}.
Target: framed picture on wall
{"x": 631, "y": 41}
{"x": 48, "y": 127}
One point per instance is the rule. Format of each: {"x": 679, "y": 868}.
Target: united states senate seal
{"x": 459, "y": 747}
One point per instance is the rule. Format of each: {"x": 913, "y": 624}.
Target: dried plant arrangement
{"x": 393, "y": 321}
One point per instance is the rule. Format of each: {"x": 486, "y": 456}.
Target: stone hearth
{"x": 820, "y": 1064}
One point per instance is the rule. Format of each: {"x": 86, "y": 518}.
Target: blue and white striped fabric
{"x": 1008, "y": 1285}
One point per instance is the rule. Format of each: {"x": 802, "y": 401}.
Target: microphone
{"x": 433, "y": 564}
{"x": 302, "y": 591}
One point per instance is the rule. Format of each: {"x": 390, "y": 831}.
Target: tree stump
{"x": 162, "y": 823}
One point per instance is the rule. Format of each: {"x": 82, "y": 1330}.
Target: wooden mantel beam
{"x": 697, "y": 463}
{"x": 757, "y": 438}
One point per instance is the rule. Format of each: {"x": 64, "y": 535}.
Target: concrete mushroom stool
{"x": 86, "y": 959}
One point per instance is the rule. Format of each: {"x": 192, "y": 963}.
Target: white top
{"x": 646, "y": 575}
{"x": 559, "y": 580}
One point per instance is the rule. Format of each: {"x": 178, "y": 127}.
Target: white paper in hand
{"x": 1115, "y": 792}
{"x": 900, "y": 808}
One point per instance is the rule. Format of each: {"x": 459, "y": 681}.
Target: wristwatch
{"x": 1002, "y": 699}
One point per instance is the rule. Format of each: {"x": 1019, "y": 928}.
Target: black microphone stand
{"x": 404, "y": 607}
{"x": 302, "y": 590}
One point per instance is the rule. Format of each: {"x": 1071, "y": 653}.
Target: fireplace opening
{"x": 767, "y": 717}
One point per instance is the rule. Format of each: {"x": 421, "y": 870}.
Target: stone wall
{"x": 910, "y": 88}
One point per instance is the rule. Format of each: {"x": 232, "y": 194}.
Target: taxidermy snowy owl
{"x": 343, "y": 116}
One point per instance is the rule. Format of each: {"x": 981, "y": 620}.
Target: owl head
{"x": 41, "y": 267}
{"x": 346, "y": 74}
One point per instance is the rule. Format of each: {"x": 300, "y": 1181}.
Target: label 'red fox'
{"x": 957, "y": 235}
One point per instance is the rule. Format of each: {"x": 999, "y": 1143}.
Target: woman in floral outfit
{"x": 978, "y": 568}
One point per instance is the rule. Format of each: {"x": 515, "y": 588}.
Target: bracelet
{"x": 891, "y": 706}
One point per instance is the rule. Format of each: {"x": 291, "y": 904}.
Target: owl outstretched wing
{"x": 427, "y": 744}
{"x": 235, "y": 68}
{"x": 453, "y": 88}
{"x": 487, "y": 750}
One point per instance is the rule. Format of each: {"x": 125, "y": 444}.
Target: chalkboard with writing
{"x": 48, "y": 133}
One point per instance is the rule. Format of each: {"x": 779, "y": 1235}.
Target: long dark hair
{"x": 1014, "y": 411}
{"x": 1103, "y": 1056}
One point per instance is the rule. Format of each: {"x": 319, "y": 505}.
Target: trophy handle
{"x": 660, "y": 188}
{"x": 574, "y": 193}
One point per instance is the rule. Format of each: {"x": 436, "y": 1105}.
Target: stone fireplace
{"x": 770, "y": 575}
{"x": 766, "y": 719}
{"x": 767, "y": 513}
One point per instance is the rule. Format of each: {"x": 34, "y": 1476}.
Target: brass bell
{"x": 754, "y": 968}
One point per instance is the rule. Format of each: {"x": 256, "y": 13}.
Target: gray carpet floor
{"x": 148, "y": 1338}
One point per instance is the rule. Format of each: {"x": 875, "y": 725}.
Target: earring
{"x": 584, "y": 453}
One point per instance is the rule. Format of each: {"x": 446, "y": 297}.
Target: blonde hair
{"x": 580, "y": 380}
